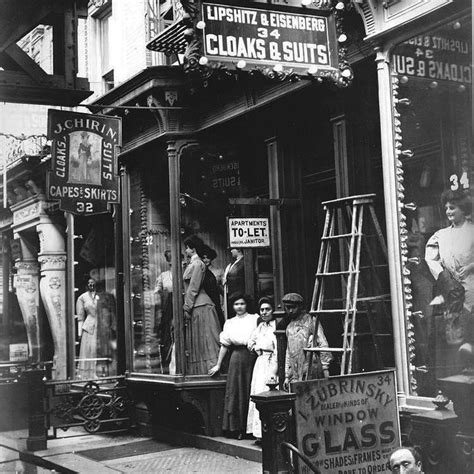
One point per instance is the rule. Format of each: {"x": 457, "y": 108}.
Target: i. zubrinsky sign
{"x": 348, "y": 424}
{"x": 266, "y": 37}
{"x": 84, "y": 161}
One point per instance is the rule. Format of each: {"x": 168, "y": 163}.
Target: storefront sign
{"x": 84, "y": 161}
{"x": 28, "y": 213}
{"x": 222, "y": 177}
{"x": 348, "y": 424}
{"x": 267, "y": 37}
{"x": 248, "y": 232}
{"x": 435, "y": 57}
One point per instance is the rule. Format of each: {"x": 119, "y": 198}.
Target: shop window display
{"x": 150, "y": 268}
{"x": 215, "y": 185}
{"x": 433, "y": 122}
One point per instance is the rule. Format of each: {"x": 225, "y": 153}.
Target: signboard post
{"x": 248, "y": 232}
{"x": 84, "y": 174}
{"x": 348, "y": 424}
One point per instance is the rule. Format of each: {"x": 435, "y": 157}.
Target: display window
{"x": 95, "y": 291}
{"x": 151, "y": 279}
{"x": 432, "y": 89}
{"x": 14, "y": 342}
{"x": 216, "y": 183}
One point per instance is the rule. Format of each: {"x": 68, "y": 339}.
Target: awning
{"x": 170, "y": 40}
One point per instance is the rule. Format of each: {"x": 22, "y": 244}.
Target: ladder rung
{"x": 359, "y": 199}
{"x": 359, "y": 334}
{"x": 326, "y": 349}
{"x": 380, "y": 265}
{"x": 374, "y": 298}
{"x": 331, "y": 311}
{"x": 344, "y": 272}
{"x": 341, "y": 236}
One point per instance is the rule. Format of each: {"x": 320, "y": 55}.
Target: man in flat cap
{"x": 299, "y": 333}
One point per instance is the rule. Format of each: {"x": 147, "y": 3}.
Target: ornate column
{"x": 392, "y": 221}
{"x": 52, "y": 258}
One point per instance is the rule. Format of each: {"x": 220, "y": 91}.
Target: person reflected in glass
{"x": 164, "y": 311}
{"x": 450, "y": 257}
{"x": 201, "y": 320}
{"x": 234, "y": 280}
{"x": 235, "y": 338}
{"x": 263, "y": 343}
{"x": 211, "y": 285}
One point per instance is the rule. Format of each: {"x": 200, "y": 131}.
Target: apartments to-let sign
{"x": 248, "y": 232}
{"x": 266, "y": 37}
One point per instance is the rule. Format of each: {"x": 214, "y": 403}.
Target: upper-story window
{"x": 105, "y": 40}
{"x": 101, "y": 45}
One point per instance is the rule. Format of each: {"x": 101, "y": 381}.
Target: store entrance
{"x": 95, "y": 297}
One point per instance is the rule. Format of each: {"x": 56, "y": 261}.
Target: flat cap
{"x": 293, "y": 298}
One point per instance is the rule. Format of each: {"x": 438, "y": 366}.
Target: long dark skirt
{"x": 237, "y": 392}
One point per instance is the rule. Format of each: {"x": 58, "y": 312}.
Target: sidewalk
{"x": 125, "y": 453}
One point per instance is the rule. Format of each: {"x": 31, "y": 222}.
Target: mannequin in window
{"x": 450, "y": 258}
{"x": 234, "y": 280}
{"x": 97, "y": 331}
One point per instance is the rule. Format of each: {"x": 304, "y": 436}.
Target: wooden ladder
{"x": 343, "y": 237}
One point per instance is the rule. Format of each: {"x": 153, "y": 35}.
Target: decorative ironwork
{"x": 280, "y": 421}
{"x": 98, "y": 405}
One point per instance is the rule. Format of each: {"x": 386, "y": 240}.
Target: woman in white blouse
{"x": 263, "y": 343}
{"x": 235, "y": 337}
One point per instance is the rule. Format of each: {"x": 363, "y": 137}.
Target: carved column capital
{"x": 27, "y": 267}
{"x": 52, "y": 262}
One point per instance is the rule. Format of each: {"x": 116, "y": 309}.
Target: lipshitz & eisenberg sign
{"x": 84, "y": 176}
{"x": 278, "y": 40}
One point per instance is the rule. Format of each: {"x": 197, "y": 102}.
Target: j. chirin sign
{"x": 84, "y": 161}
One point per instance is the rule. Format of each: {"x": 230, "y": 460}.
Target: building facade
{"x": 198, "y": 150}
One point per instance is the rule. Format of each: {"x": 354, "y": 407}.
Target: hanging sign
{"x": 248, "y": 232}
{"x": 348, "y": 424}
{"x": 268, "y": 38}
{"x": 84, "y": 175}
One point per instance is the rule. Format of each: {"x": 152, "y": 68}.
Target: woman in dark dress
{"x": 202, "y": 322}
{"x": 211, "y": 287}
{"x": 235, "y": 337}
